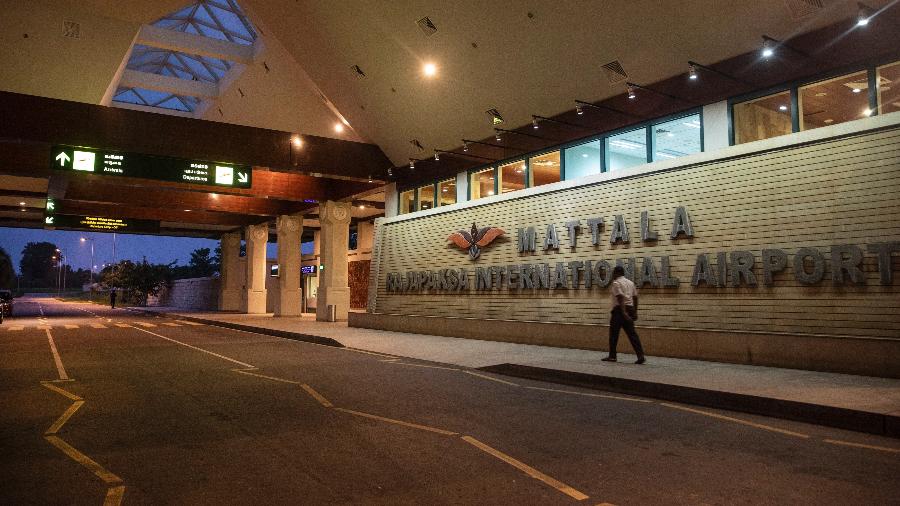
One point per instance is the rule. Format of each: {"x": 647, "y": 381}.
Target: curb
{"x": 841, "y": 418}
{"x": 296, "y": 336}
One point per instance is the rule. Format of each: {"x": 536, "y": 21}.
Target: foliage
{"x": 137, "y": 281}
{"x": 37, "y": 266}
{"x": 7, "y": 274}
{"x": 201, "y": 265}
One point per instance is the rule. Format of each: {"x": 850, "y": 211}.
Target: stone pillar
{"x": 256, "y": 237}
{"x": 333, "y": 286}
{"x": 287, "y": 300}
{"x": 230, "y": 273}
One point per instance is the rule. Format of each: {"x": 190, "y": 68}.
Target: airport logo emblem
{"x": 224, "y": 175}
{"x": 475, "y": 239}
{"x": 84, "y": 160}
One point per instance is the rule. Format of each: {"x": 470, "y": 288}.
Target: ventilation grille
{"x": 614, "y": 72}
{"x": 801, "y": 9}
{"x": 72, "y": 29}
{"x": 426, "y": 26}
{"x": 417, "y": 144}
{"x": 358, "y": 71}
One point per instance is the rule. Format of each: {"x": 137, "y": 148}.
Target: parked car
{"x": 6, "y": 304}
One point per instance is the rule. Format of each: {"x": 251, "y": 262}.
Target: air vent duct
{"x": 801, "y": 9}
{"x": 426, "y": 26}
{"x": 615, "y": 73}
{"x": 72, "y": 29}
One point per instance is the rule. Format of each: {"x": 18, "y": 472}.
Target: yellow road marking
{"x": 589, "y": 394}
{"x": 422, "y": 365}
{"x": 492, "y": 378}
{"x": 122, "y": 325}
{"x": 525, "y": 468}
{"x": 398, "y": 422}
{"x": 114, "y": 496}
{"x": 273, "y": 378}
{"x": 736, "y": 420}
{"x": 223, "y": 357}
{"x": 860, "y": 445}
{"x": 317, "y": 396}
{"x": 186, "y": 322}
{"x": 71, "y": 327}
{"x": 148, "y": 325}
{"x": 83, "y": 459}
{"x": 170, "y": 324}
{"x": 56, "y": 358}
{"x": 64, "y": 417}
{"x": 98, "y": 326}
{"x": 61, "y": 391}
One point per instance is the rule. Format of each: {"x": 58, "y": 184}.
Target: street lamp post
{"x": 83, "y": 239}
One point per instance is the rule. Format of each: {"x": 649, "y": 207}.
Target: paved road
{"x": 110, "y": 406}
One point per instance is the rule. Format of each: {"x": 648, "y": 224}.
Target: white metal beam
{"x": 167, "y": 84}
{"x": 195, "y": 44}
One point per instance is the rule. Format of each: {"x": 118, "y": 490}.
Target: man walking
{"x": 623, "y": 314}
{"x": 112, "y": 298}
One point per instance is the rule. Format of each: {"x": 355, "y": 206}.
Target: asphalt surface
{"x": 116, "y": 407}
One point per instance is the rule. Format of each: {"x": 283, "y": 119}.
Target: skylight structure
{"x": 222, "y": 20}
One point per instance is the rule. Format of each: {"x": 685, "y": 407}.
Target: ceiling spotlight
{"x": 296, "y": 141}
{"x": 338, "y": 127}
{"x": 412, "y": 164}
{"x": 692, "y": 73}
{"x": 497, "y": 136}
{"x": 437, "y": 156}
{"x": 578, "y": 110}
{"x": 21, "y": 203}
{"x": 361, "y": 206}
{"x": 465, "y": 146}
{"x": 767, "y": 49}
{"x": 390, "y": 172}
{"x": 867, "y": 112}
{"x": 630, "y": 90}
{"x": 370, "y": 178}
{"x": 429, "y": 69}
{"x": 864, "y": 15}
{"x": 782, "y": 107}
{"x": 856, "y": 90}
{"x": 534, "y": 123}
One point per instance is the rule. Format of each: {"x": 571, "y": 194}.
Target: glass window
{"x": 834, "y": 101}
{"x": 447, "y": 192}
{"x": 482, "y": 184}
{"x": 889, "y": 88}
{"x": 512, "y": 176}
{"x": 584, "y": 160}
{"x": 627, "y": 149}
{"x": 676, "y": 138}
{"x": 544, "y": 169}
{"x": 426, "y": 197}
{"x": 762, "y": 118}
{"x": 407, "y": 201}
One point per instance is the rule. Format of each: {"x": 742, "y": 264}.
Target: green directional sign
{"x": 177, "y": 170}
{"x": 100, "y": 224}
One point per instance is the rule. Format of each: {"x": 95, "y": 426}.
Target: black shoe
{"x": 609, "y": 359}
{"x": 640, "y": 360}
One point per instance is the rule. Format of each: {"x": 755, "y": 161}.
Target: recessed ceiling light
{"x": 867, "y": 112}
{"x": 782, "y": 107}
{"x": 584, "y": 155}
{"x": 856, "y": 90}
{"x": 361, "y": 206}
{"x": 490, "y": 192}
{"x": 338, "y": 127}
{"x": 21, "y": 203}
{"x": 429, "y": 69}
{"x": 296, "y": 141}
{"x": 187, "y": 210}
{"x": 829, "y": 120}
{"x": 821, "y": 94}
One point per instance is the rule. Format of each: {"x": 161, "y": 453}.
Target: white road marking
{"x": 71, "y": 327}
{"x": 189, "y": 322}
{"x": 98, "y": 326}
{"x": 223, "y": 357}
{"x": 145, "y": 324}
{"x": 16, "y": 328}
{"x": 56, "y": 358}
{"x": 170, "y": 324}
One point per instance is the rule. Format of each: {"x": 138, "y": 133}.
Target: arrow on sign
{"x": 48, "y": 220}
{"x": 242, "y": 177}
{"x": 63, "y": 158}
{"x": 50, "y": 205}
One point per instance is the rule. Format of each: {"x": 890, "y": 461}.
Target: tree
{"x": 201, "y": 263}
{"x": 7, "y": 274}
{"x": 37, "y": 265}
{"x": 137, "y": 281}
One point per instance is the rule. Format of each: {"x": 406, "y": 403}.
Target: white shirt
{"x": 624, "y": 287}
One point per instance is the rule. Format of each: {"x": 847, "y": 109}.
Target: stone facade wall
{"x": 195, "y": 293}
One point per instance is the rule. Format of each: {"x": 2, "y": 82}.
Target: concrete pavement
{"x": 206, "y": 415}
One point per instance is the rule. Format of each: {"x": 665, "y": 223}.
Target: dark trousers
{"x": 618, "y": 322}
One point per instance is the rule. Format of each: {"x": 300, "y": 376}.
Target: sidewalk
{"x": 859, "y": 403}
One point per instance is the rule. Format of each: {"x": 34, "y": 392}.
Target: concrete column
{"x": 256, "y": 237}
{"x": 230, "y": 273}
{"x": 333, "y": 284}
{"x": 287, "y": 300}
{"x": 462, "y": 186}
{"x": 391, "y": 200}
{"x": 715, "y": 126}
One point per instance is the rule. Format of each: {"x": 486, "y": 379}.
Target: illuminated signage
{"x": 100, "y": 224}
{"x": 177, "y": 170}
{"x": 308, "y": 269}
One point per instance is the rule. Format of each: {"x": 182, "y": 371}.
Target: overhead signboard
{"x": 100, "y": 224}
{"x": 177, "y": 170}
